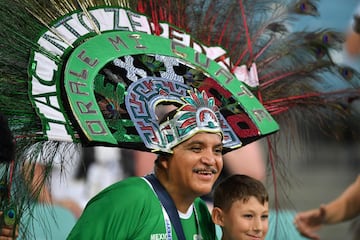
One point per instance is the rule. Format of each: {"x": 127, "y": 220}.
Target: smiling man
{"x": 143, "y": 207}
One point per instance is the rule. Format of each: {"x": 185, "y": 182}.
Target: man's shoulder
{"x": 128, "y": 184}
{"x": 129, "y": 188}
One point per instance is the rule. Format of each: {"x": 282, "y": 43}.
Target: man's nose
{"x": 208, "y": 157}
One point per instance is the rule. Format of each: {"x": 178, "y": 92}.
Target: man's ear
{"x": 217, "y": 216}
{"x": 163, "y": 161}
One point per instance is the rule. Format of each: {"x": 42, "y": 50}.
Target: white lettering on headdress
{"x": 64, "y": 33}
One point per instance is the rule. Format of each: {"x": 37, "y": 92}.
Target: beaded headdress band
{"x": 196, "y": 113}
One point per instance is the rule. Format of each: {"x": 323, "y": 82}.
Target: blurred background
{"x": 323, "y": 167}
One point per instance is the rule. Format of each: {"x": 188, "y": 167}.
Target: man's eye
{"x": 196, "y": 149}
{"x": 218, "y": 150}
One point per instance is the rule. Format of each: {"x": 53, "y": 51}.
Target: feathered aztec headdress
{"x": 96, "y": 73}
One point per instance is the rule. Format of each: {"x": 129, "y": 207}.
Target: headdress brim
{"x": 81, "y": 98}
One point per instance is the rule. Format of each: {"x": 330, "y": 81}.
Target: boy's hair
{"x": 238, "y": 187}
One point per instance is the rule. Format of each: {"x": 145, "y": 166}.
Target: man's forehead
{"x": 203, "y": 137}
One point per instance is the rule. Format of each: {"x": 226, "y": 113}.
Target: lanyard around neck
{"x": 168, "y": 204}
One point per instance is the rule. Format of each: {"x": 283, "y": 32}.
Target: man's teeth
{"x": 204, "y": 172}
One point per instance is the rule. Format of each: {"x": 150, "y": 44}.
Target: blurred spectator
{"x": 81, "y": 176}
{"x": 345, "y": 207}
{"x": 352, "y": 43}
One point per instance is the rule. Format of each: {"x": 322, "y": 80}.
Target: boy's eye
{"x": 248, "y": 216}
{"x": 265, "y": 216}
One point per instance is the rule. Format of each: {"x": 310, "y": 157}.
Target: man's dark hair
{"x": 7, "y": 145}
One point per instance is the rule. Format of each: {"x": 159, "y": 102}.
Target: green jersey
{"x": 130, "y": 210}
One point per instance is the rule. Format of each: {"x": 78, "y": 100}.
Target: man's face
{"x": 196, "y": 164}
{"x": 246, "y": 220}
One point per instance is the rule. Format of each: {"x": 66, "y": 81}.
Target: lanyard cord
{"x": 168, "y": 204}
{"x": 170, "y": 212}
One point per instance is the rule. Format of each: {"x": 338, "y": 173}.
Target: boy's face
{"x": 244, "y": 220}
